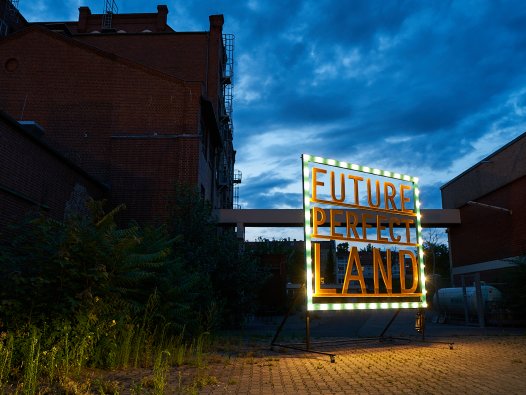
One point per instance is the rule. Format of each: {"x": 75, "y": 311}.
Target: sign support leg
{"x": 307, "y": 329}
{"x": 289, "y": 310}
{"x": 389, "y": 323}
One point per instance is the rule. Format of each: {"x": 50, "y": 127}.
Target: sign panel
{"x": 363, "y": 241}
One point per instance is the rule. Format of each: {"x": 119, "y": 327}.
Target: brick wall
{"x": 145, "y": 184}
{"x": 35, "y": 177}
{"x": 488, "y": 234}
{"x": 182, "y": 55}
{"x": 87, "y": 100}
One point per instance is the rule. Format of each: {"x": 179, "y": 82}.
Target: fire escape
{"x": 231, "y": 177}
{"x": 110, "y": 8}
{"x": 228, "y": 81}
{"x": 9, "y": 15}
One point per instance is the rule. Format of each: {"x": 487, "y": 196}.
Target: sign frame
{"x": 308, "y": 226}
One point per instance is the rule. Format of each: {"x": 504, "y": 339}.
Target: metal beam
{"x": 270, "y": 218}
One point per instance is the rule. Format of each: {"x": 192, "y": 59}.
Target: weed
{"x": 53, "y": 359}
{"x": 69, "y": 386}
{"x": 31, "y": 364}
{"x": 136, "y": 389}
{"x": 205, "y": 380}
{"x": 199, "y": 349}
{"x": 179, "y": 382}
{"x": 6, "y": 357}
{"x": 124, "y": 348}
{"x": 110, "y": 387}
{"x": 147, "y": 382}
{"x": 180, "y": 353}
{"x": 201, "y": 380}
{"x": 160, "y": 371}
{"x": 51, "y": 362}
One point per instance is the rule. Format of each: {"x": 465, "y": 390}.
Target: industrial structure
{"x": 126, "y": 100}
{"x": 10, "y": 17}
{"x": 490, "y": 197}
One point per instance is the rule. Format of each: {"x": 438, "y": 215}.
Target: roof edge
{"x": 108, "y": 55}
{"x": 484, "y": 160}
{"x": 43, "y": 144}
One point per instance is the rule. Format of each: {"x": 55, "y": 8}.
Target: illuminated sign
{"x": 367, "y": 222}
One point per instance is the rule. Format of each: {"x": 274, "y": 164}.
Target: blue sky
{"x": 426, "y": 88}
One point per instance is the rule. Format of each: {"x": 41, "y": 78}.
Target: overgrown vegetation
{"x": 86, "y": 293}
{"x": 57, "y": 359}
{"x": 514, "y": 295}
{"x": 226, "y": 276}
{"x": 85, "y": 267}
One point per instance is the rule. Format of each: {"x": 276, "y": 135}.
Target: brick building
{"x": 34, "y": 176}
{"x": 10, "y": 18}
{"x": 134, "y": 104}
{"x": 491, "y": 197}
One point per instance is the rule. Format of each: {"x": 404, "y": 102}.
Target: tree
{"x": 227, "y": 279}
{"x": 436, "y": 254}
{"x": 330, "y": 266}
{"x": 342, "y": 248}
{"x": 368, "y": 248}
{"x": 436, "y": 260}
{"x": 514, "y": 294}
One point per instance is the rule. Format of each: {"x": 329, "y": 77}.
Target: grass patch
{"x": 56, "y": 359}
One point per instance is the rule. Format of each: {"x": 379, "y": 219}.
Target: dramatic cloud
{"x": 423, "y": 88}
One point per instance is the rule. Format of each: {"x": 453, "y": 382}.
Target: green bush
{"x": 88, "y": 270}
{"x": 225, "y": 280}
{"x": 86, "y": 265}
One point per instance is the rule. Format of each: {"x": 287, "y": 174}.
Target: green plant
{"x": 180, "y": 354}
{"x": 86, "y": 265}
{"x": 6, "y": 357}
{"x": 160, "y": 371}
{"x": 221, "y": 281}
{"x": 104, "y": 296}
{"x": 112, "y": 387}
{"x": 124, "y": 345}
{"x": 136, "y": 388}
{"x": 31, "y": 363}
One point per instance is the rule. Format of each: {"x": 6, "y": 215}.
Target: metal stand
{"x": 389, "y": 323}
{"x": 419, "y": 326}
{"x": 298, "y": 347}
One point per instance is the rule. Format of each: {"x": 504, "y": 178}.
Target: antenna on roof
{"x": 110, "y": 8}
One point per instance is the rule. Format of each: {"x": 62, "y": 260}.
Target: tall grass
{"x": 199, "y": 348}
{"x": 160, "y": 371}
{"x": 6, "y": 357}
{"x": 55, "y": 356}
{"x": 31, "y": 363}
